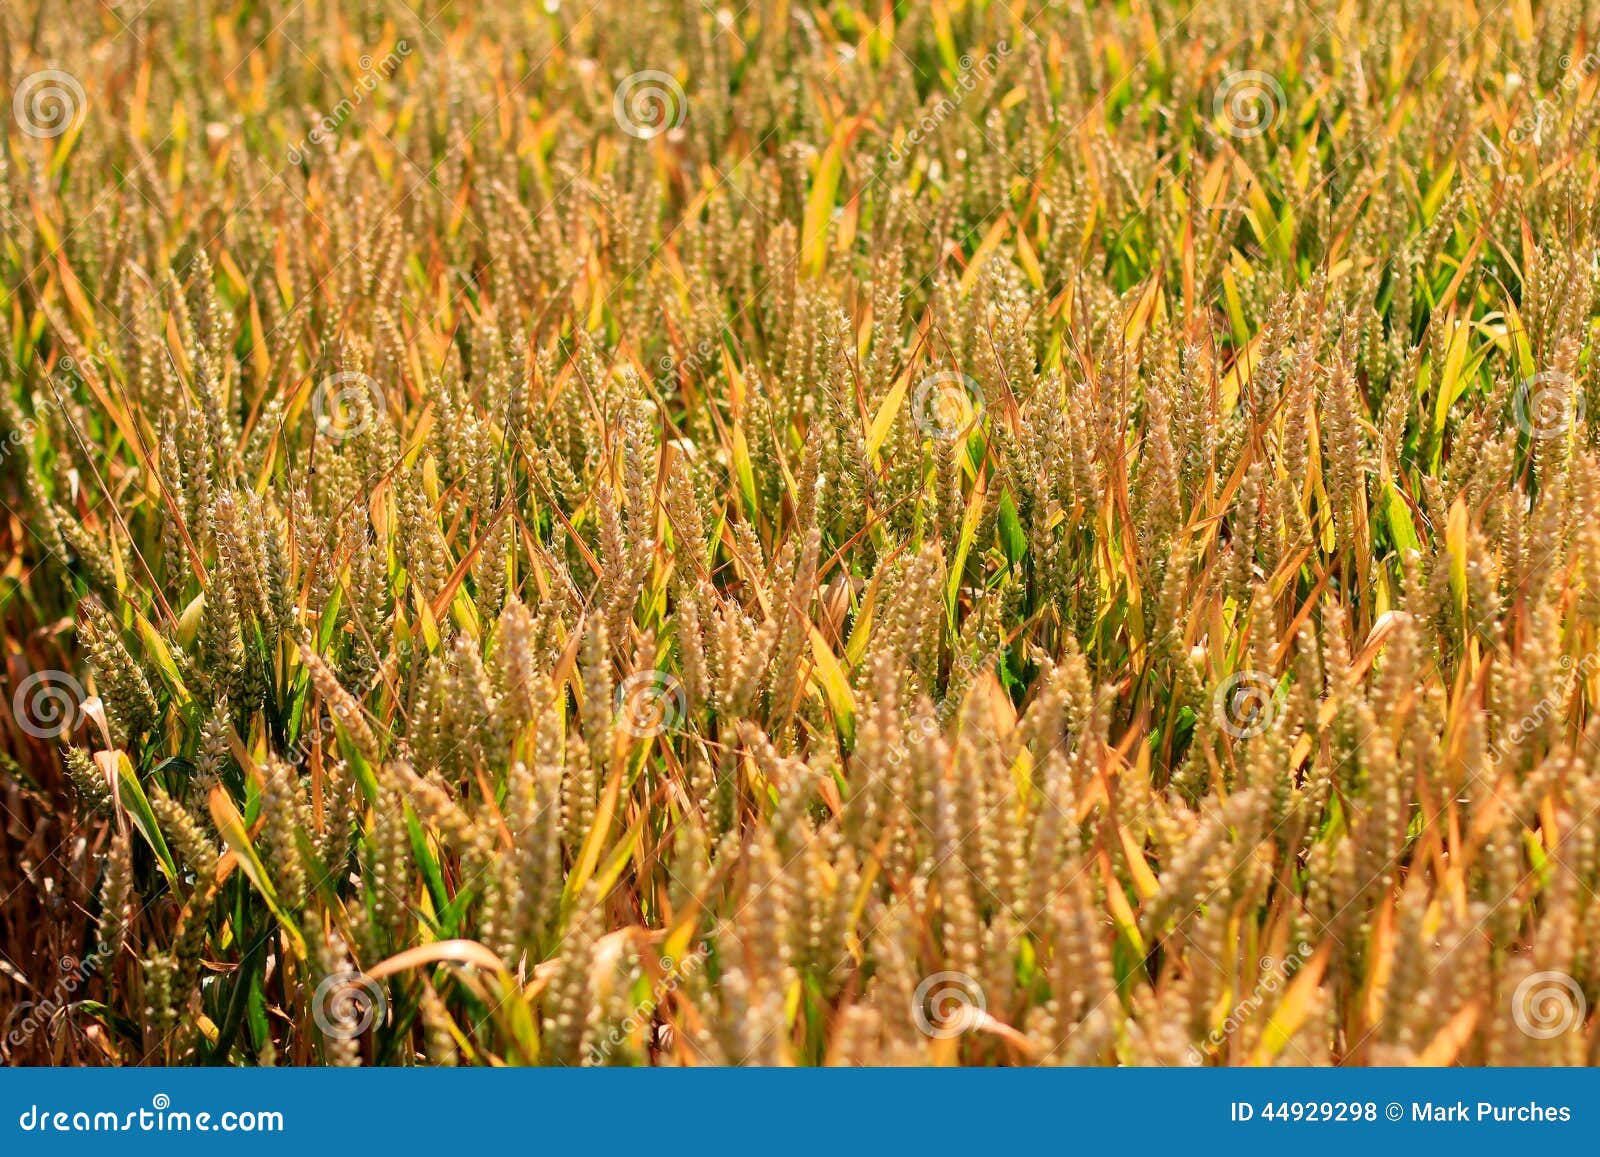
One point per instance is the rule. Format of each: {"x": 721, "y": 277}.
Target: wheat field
{"x": 978, "y": 532}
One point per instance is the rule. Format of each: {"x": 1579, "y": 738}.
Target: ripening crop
{"x": 852, "y": 533}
